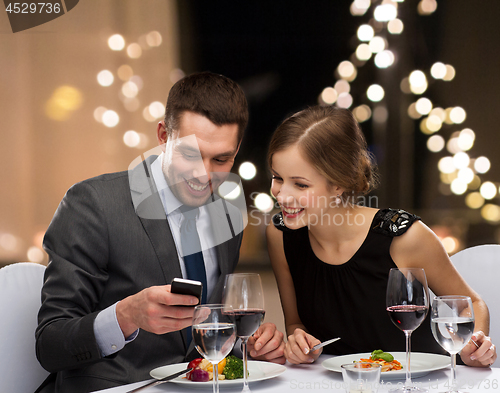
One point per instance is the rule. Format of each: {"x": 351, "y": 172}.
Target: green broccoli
{"x": 233, "y": 368}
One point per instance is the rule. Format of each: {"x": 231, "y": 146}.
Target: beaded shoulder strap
{"x": 393, "y": 222}
{"x": 278, "y": 223}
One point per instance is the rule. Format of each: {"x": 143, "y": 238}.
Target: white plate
{"x": 258, "y": 371}
{"x": 421, "y": 363}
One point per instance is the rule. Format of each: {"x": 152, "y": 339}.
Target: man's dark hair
{"x": 219, "y": 99}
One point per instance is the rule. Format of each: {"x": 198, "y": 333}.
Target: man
{"x": 115, "y": 243}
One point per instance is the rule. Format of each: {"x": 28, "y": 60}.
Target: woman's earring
{"x": 338, "y": 200}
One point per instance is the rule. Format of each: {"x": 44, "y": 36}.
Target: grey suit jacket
{"x": 101, "y": 250}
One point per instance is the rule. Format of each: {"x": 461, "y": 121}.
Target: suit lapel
{"x": 150, "y": 210}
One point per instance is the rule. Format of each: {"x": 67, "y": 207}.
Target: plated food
{"x": 230, "y": 367}
{"x": 257, "y": 370}
{"x": 421, "y": 363}
{"x": 385, "y": 359}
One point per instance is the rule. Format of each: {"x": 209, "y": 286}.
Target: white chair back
{"x": 480, "y": 267}
{"x": 20, "y": 287}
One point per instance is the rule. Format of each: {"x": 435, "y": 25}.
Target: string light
{"x": 459, "y": 171}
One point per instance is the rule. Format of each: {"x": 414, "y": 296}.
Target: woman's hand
{"x": 484, "y": 356}
{"x": 267, "y": 344}
{"x": 298, "y": 347}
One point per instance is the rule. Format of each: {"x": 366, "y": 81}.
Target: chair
{"x": 20, "y": 287}
{"x": 480, "y": 267}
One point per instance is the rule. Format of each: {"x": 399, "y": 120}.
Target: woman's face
{"x": 302, "y": 192}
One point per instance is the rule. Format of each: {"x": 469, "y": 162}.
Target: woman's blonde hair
{"x": 331, "y": 140}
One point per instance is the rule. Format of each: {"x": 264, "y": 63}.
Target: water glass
{"x": 361, "y": 377}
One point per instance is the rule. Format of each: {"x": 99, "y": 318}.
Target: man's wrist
{"x": 126, "y": 325}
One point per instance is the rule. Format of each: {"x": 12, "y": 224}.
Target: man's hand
{"x": 297, "y": 349}
{"x": 267, "y": 344}
{"x": 484, "y": 356}
{"x": 156, "y": 310}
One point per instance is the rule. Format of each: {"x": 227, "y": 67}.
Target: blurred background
{"x": 81, "y": 95}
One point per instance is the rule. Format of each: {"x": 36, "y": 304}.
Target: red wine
{"x": 407, "y": 317}
{"x": 247, "y": 321}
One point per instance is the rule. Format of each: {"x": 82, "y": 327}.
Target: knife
{"x": 321, "y": 345}
{"x": 163, "y": 380}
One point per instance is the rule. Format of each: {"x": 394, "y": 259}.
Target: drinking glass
{"x": 243, "y": 292}
{"x": 214, "y": 335}
{"x": 407, "y": 302}
{"x": 452, "y": 324}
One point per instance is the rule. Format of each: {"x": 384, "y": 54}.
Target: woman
{"x": 331, "y": 256}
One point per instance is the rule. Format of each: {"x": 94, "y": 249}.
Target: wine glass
{"x": 407, "y": 302}
{"x": 452, "y": 324}
{"x": 243, "y": 292}
{"x": 214, "y": 335}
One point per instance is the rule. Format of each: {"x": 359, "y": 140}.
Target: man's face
{"x": 197, "y": 157}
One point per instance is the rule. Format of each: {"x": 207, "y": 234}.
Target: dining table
{"x": 316, "y": 378}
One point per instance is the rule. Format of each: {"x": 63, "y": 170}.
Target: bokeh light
{"x": 365, "y": 33}
{"x": 375, "y": 93}
{"x": 384, "y": 59}
{"x": 105, "y": 78}
{"x": 363, "y": 52}
{"x": 110, "y": 118}
{"x": 450, "y": 73}
{"x": 466, "y": 174}
{"x": 63, "y": 102}
{"x": 347, "y": 70}
{"x": 435, "y": 143}
{"x": 446, "y": 165}
{"x": 130, "y": 89}
{"x": 395, "y": 26}
{"x": 134, "y": 51}
{"x": 344, "y": 100}
{"x": 482, "y": 164}
{"x": 342, "y": 86}
{"x": 385, "y": 12}
{"x": 458, "y": 186}
{"x": 458, "y": 115}
{"x": 426, "y": 7}
{"x": 125, "y": 72}
{"x": 157, "y": 109}
{"x": 154, "y": 39}
{"x": 329, "y": 95}
{"x": 377, "y": 44}
{"x": 474, "y": 200}
{"x": 423, "y": 106}
{"x": 362, "y": 113}
{"x": 491, "y": 212}
{"x": 116, "y": 42}
{"x": 488, "y": 190}
{"x": 438, "y": 70}
{"x": 433, "y": 123}
{"x": 264, "y": 202}
{"x": 418, "y": 82}
{"x": 247, "y": 170}
{"x": 461, "y": 160}
{"x": 131, "y": 138}
{"x": 466, "y": 139}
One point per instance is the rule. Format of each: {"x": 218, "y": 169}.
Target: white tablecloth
{"x": 315, "y": 378}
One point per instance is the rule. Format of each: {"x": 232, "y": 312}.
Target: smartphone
{"x": 187, "y": 287}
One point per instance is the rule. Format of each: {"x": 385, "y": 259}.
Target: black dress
{"x": 348, "y": 300}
